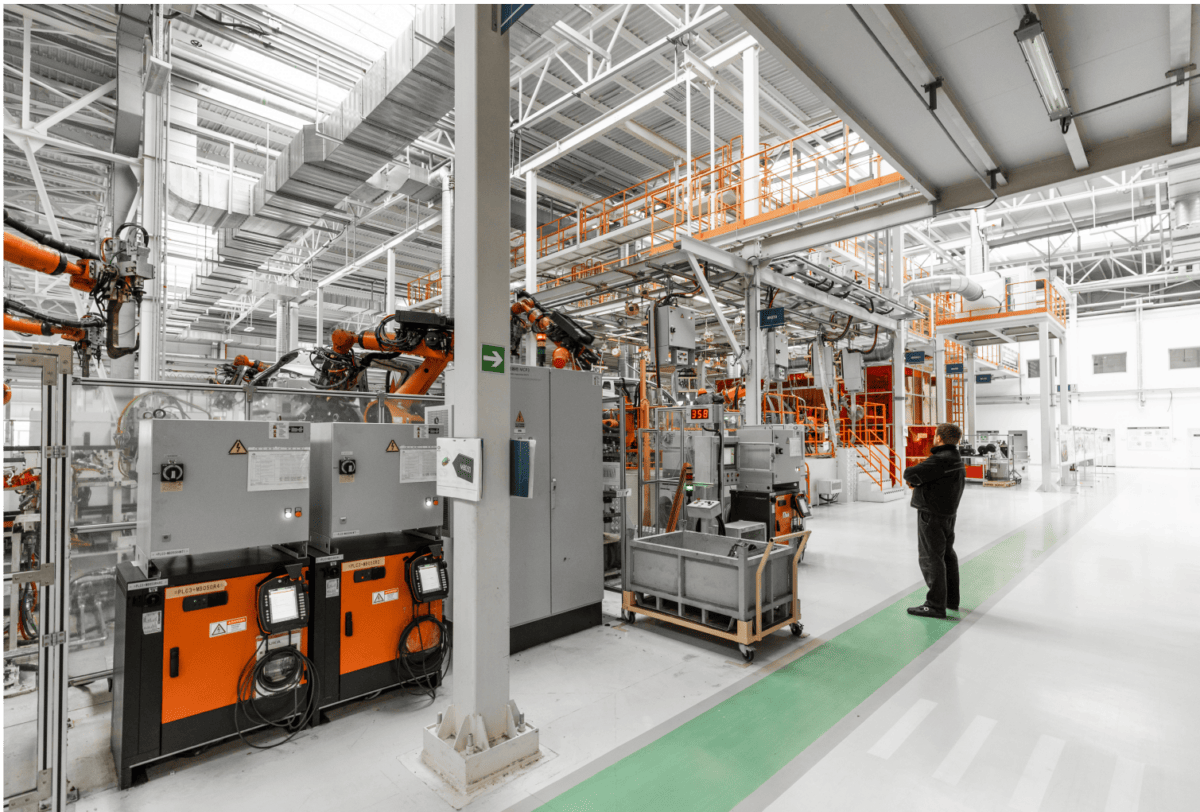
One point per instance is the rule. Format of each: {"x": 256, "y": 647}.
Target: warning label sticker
{"x": 392, "y": 446}
{"x": 386, "y": 595}
{"x": 238, "y": 448}
{"x": 222, "y": 627}
{"x": 333, "y": 588}
{"x": 364, "y": 564}
{"x": 194, "y": 589}
{"x": 418, "y": 465}
{"x": 171, "y": 487}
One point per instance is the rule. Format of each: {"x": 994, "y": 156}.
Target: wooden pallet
{"x": 1009, "y": 484}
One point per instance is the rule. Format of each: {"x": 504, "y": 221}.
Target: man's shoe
{"x": 951, "y": 608}
{"x": 925, "y": 610}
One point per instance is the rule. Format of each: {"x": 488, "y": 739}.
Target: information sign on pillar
{"x": 954, "y": 369}
{"x": 914, "y": 357}
{"x": 983, "y": 377}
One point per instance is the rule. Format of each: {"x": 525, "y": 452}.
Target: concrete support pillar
{"x": 753, "y": 407}
{"x": 895, "y": 276}
{"x": 483, "y": 732}
{"x": 389, "y": 285}
{"x": 1045, "y": 388}
{"x": 531, "y": 231}
{"x": 750, "y": 169}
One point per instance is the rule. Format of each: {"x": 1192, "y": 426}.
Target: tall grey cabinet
{"x": 557, "y": 572}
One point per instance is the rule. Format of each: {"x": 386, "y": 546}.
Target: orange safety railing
{"x": 425, "y": 287}
{"x": 956, "y": 399}
{"x": 1020, "y": 298}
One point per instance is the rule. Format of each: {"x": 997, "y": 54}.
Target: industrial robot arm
{"x": 83, "y": 333}
{"x": 109, "y": 281}
{"x": 424, "y": 335}
{"x": 574, "y": 343}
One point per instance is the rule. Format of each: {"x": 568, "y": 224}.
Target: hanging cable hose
{"x": 279, "y": 670}
{"x": 849, "y": 321}
{"x": 49, "y": 240}
{"x": 424, "y": 666}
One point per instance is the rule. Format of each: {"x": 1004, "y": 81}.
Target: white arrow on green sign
{"x": 491, "y": 358}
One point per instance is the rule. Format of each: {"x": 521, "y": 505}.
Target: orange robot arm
{"x": 31, "y": 327}
{"x": 27, "y": 254}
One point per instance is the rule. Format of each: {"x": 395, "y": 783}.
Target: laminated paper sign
{"x": 277, "y": 470}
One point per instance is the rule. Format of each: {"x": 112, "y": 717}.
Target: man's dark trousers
{"x": 939, "y": 562}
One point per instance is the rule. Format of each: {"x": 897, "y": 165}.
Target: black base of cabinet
{"x": 536, "y": 632}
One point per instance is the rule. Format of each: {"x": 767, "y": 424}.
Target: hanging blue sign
{"x": 983, "y": 378}
{"x": 954, "y": 369}
{"x": 771, "y": 317}
{"x": 914, "y": 357}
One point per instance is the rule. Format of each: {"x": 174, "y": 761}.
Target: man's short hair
{"x": 950, "y": 433}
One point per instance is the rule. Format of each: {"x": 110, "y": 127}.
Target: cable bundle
{"x": 278, "y": 671}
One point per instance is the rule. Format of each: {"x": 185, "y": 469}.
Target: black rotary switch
{"x": 172, "y": 471}
{"x": 347, "y": 467}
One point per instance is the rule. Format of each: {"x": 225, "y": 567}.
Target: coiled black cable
{"x": 426, "y": 666}
{"x": 278, "y": 671}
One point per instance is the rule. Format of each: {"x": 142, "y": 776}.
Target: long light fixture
{"x": 1036, "y": 50}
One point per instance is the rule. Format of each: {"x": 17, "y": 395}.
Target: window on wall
{"x": 1035, "y": 368}
{"x": 1185, "y": 358}
{"x": 1107, "y": 363}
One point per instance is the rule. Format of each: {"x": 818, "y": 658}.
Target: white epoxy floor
{"x": 1075, "y": 691}
{"x": 1094, "y": 650}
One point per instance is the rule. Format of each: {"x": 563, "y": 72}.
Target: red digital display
{"x": 699, "y": 414}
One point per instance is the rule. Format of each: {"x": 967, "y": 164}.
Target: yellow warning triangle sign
{"x": 238, "y": 448}
{"x": 392, "y": 446}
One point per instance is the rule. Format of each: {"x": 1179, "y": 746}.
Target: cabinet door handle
{"x": 175, "y": 662}
{"x": 553, "y": 492}
{"x": 349, "y": 624}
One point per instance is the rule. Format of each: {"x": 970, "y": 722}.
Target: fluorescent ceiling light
{"x": 1036, "y": 50}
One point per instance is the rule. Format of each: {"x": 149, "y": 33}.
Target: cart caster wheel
{"x": 747, "y": 653}
{"x": 627, "y": 616}
{"x": 797, "y": 629}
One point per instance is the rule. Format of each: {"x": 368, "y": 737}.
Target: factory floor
{"x": 1068, "y": 683}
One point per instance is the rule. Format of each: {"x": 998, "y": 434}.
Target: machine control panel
{"x": 704, "y": 509}
{"x": 282, "y": 605}
{"x": 428, "y": 579}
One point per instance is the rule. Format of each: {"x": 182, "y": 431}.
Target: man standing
{"x": 937, "y": 484}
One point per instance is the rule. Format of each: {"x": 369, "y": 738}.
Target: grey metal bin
{"x": 711, "y": 583}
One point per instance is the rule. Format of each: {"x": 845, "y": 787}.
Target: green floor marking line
{"x": 711, "y": 763}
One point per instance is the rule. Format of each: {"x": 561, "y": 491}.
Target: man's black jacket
{"x": 938, "y": 481}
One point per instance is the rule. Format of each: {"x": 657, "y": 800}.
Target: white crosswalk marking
{"x": 890, "y": 742}
{"x": 1125, "y": 791}
{"x": 1038, "y": 771}
{"x": 956, "y": 762}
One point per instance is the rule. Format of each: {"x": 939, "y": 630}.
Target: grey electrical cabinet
{"x": 207, "y": 486}
{"x": 372, "y": 478}
{"x": 675, "y": 336}
{"x": 557, "y": 569}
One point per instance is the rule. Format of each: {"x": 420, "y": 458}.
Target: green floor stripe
{"x": 717, "y": 759}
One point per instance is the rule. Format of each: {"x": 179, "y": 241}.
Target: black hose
{"x": 298, "y": 675}
{"x": 426, "y": 666}
{"x": 49, "y": 240}
{"x": 264, "y": 377}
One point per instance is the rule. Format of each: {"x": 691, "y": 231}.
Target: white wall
{"x": 1170, "y": 397}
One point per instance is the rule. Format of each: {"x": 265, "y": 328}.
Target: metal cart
{"x": 734, "y": 589}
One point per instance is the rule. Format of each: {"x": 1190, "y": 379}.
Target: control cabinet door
{"x": 376, "y": 606}
{"x": 576, "y": 519}
{"x": 529, "y": 576}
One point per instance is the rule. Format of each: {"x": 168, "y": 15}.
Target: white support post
{"x": 389, "y": 291}
{"x": 531, "y": 239}
{"x": 969, "y": 424}
{"x": 1064, "y": 404}
{"x": 482, "y": 734}
{"x": 943, "y": 380}
{"x": 753, "y": 415}
{"x": 895, "y": 260}
{"x": 447, "y": 243}
{"x": 687, "y": 183}
{"x": 750, "y": 169}
{"x": 1045, "y": 387}
{"x": 320, "y": 341}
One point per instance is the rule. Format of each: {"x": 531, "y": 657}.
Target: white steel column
{"x": 943, "y": 380}
{"x": 447, "y": 243}
{"x": 969, "y": 367}
{"x": 1064, "y": 405}
{"x": 753, "y": 414}
{"x": 389, "y": 286}
{"x": 482, "y": 733}
{"x": 750, "y": 169}
{"x": 1045, "y": 387}
{"x": 531, "y": 234}
{"x": 895, "y": 260}
{"x": 320, "y": 339}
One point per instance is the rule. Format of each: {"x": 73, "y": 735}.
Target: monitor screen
{"x": 283, "y": 603}
{"x": 428, "y": 576}
{"x": 729, "y": 457}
